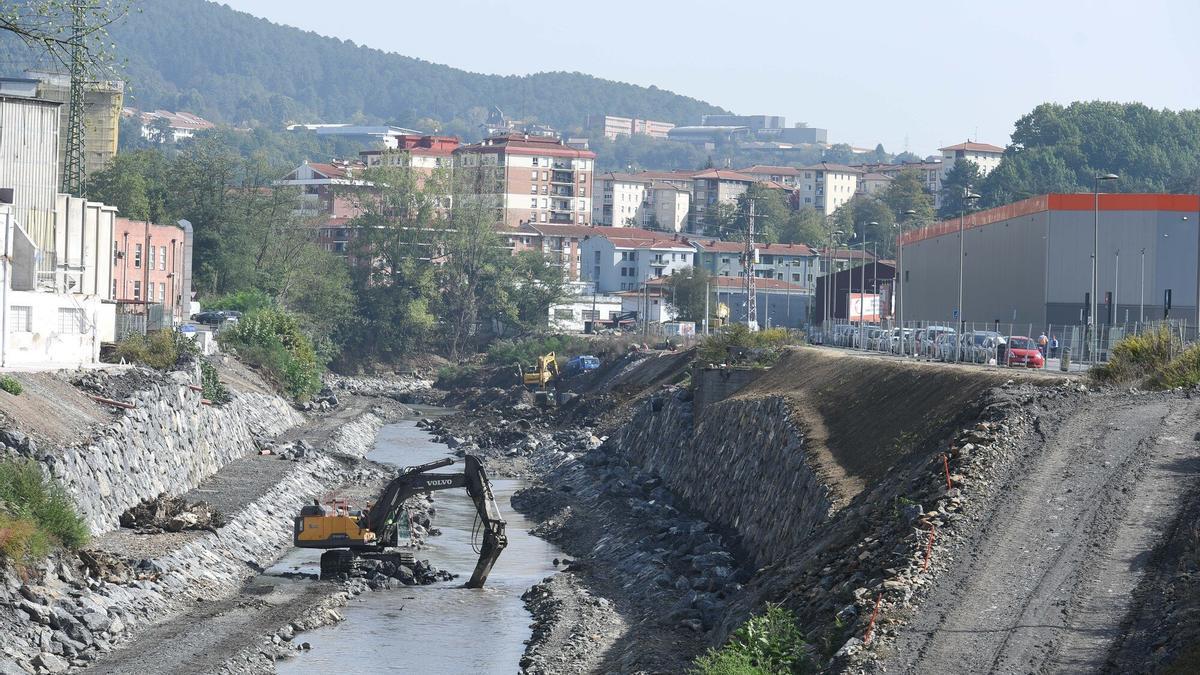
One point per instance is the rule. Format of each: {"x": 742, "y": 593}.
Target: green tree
{"x": 907, "y": 192}
{"x": 770, "y": 210}
{"x": 804, "y": 226}
{"x": 1027, "y": 173}
{"x": 537, "y": 284}
{"x": 46, "y": 26}
{"x": 857, "y": 215}
{"x": 963, "y": 177}
{"x": 689, "y": 293}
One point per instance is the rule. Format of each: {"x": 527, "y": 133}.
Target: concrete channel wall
{"x": 169, "y": 442}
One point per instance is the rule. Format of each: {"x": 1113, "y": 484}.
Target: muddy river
{"x": 442, "y": 628}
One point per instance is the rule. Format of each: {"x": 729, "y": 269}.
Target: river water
{"x": 441, "y": 628}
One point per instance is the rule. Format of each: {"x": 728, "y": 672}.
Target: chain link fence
{"x": 1061, "y": 346}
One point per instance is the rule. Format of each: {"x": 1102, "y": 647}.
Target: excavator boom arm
{"x": 382, "y": 516}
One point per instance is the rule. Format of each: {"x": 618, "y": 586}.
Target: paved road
{"x": 1043, "y": 585}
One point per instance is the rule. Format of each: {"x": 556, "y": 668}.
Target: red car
{"x": 1023, "y": 351}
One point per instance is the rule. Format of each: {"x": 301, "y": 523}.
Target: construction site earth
{"x": 916, "y": 517}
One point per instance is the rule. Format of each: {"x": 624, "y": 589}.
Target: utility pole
{"x": 72, "y": 178}
{"x": 751, "y": 304}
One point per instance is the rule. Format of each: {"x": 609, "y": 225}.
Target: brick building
{"x": 149, "y": 265}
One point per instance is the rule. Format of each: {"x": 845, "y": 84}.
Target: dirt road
{"x": 1044, "y": 583}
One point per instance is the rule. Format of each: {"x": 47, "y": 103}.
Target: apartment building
{"x": 427, "y": 153}
{"x": 827, "y": 186}
{"x": 532, "y": 179}
{"x": 929, "y": 172}
{"x": 985, "y": 155}
{"x": 163, "y": 126}
{"x": 615, "y": 263}
{"x": 788, "y": 176}
{"x": 796, "y": 264}
{"x": 638, "y": 200}
{"x": 712, "y": 187}
{"x": 611, "y": 126}
{"x": 327, "y": 199}
{"x": 872, "y": 183}
{"x": 148, "y": 266}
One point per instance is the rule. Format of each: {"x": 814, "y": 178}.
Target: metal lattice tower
{"x": 72, "y": 178}
{"x": 751, "y": 294}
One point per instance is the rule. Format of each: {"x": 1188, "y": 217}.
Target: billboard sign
{"x": 864, "y": 306}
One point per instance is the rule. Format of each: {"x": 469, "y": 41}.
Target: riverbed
{"x": 441, "y": 628}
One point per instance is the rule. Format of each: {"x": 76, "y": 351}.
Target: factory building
{"x": 1030, "y": 262}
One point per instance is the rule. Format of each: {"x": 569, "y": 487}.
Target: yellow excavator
{"x": 539, "y": 376}
{"x": 373, "y": 533}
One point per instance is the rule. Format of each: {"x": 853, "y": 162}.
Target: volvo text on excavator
{"x": 372, "y": 532}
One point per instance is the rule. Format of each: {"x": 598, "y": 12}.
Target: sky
{"x": 913, "y": 75}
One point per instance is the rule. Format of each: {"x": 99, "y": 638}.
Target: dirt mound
{"x": 171, "y": 514}
{"x": 862, "y": 416}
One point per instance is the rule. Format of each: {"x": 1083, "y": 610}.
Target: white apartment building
{"x": 616, "y": 264}
{"x": 636, "y": 200}
{"x": 984, "y": 155}
{"x": 827, "y": 186}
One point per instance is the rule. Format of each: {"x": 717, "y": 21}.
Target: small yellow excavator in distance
{"x": 539, "y": 376}
{"x": 371, "y": 532}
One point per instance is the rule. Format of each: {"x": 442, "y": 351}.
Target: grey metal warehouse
{"x": 1031, "y": 261}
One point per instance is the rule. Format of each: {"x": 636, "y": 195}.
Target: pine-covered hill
{"x": 238, "y": 69}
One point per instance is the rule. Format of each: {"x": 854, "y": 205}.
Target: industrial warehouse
{"x": 1030, "y": 262}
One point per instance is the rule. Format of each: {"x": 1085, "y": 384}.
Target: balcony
{"x": 563, "y": 191}
{"x": 564, "y": 177}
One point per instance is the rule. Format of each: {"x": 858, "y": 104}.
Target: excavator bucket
{"x": 494, "y": 539}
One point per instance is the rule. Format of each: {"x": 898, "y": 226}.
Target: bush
{"x": 161, "y": 350}
{"x": 768, "y": 643}
{"x": 1154, "y": 359}
{"x": 241, "y": 301}
{"x": 1138, "y": 357}
{"x": 272, "y": 340}
{"x": 213, "y": 389}
{"x": 527, "y": 350}
{"x": 762, "y": 347}
{"x": 11, "y": 384}
{"x": 37, "y": 513}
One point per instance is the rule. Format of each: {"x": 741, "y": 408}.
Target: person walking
{"x": 1042, "y": 342}
{"x": 1053, "y": 346}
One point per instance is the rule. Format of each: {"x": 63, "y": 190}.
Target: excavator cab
{"x": 349, "y": 534}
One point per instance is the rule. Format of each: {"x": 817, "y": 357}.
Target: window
{"x": 596, "y": 254}
{"x": 582, "y": 192}
{"x": 71, "y": 321}
{"x": 137, "y": 290}
{"x": 535, "y": 161}
{"x": 137, "y": 255}
{"x": 162, "y": 258}
{"x": 543, "y": 218}
{"x": 20, "y": 317}
{"x": 564, "y": 314}
{"x": 795, "y": 277}
{"x": 906, "y": 276}
{"x": 532, "y": 189}
{"x": 543, "y": 189}
{"x": 534, "y": 176}
{"x": 533, "y": 204}
{"x": 545, "y": 202}
{"x": 151, "y": 253}
{"x": 591, "y": 315}
{"x": 623, "y": 272}
{"x": 114, "y": 292}
{"x": 162, "y": 291}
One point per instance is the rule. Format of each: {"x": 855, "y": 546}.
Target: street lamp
{"x": 968, "y": 198}
{"x": 1093, "y": 323}
{"x": 829, "y": 277}
{"x": 899, "y": 283}
{"x": 1142, "y": 289}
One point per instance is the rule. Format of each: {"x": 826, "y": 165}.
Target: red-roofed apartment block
{"x": 533, "y": 179}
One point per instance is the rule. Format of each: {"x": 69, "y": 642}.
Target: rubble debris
{"x": 165, "y": 513}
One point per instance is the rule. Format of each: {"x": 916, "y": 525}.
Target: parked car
{"x": 945, "y": 346}
{"x": 216, "y": 317}
{"x": 1023, "y": 351}
{"x": 928, "y": 338}
{"x": 981, "y": 346}
{"x": 899, "y": 336}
